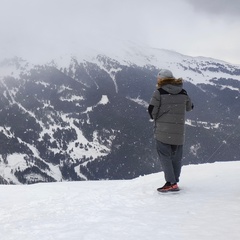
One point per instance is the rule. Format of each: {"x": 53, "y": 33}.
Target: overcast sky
{"x": 44, "y": 28}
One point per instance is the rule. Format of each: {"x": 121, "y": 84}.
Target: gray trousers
{"x": 171, "y": 160}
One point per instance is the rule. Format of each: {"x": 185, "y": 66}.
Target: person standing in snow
{"x": 167, "y": 108}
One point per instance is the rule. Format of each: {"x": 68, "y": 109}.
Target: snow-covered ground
{"x": 207, "y": 207}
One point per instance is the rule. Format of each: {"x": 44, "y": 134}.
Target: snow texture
{"x": 194, "y": 69}
{"x": 207, "y": 207}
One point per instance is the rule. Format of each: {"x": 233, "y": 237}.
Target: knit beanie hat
{"x": 165, "y": 73}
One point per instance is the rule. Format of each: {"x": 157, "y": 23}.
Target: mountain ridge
{"x": 87, "y": 119}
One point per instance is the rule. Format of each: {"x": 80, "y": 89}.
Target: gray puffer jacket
{"x": 167, "y": 108}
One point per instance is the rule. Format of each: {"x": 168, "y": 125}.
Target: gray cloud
{"x": 42, "y": 29}
{"x": 230, "y": 8}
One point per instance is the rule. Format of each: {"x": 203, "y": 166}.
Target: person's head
{"x": 165, "y": 77}
{"x": 164, "y": 73}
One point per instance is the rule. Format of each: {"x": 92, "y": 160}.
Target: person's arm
{"x": 150, "y": 109}
{"x": 154, "y": 105}
{"x": 189, "y": 105}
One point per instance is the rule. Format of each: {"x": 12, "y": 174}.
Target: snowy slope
{"x": 195, "y": 69}
{"x": 206, "y": 208}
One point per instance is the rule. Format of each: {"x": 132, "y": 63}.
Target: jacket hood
{"x": 171, "y": 85}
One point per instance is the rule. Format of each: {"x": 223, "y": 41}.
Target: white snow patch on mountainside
{"x": 139, "y": 101}
{"x": 97, "y": 149}
{"x": 206, "y": 125}
{"x": 18, "y": 162}
{"x": 104, "y": 100}
{"x": 207, "y": 207}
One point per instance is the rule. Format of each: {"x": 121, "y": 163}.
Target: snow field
{"x": 207, "y": 207}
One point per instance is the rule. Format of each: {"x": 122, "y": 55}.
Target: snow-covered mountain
{"x": 207, "y": 207}
{"x": 84, "y": 116}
